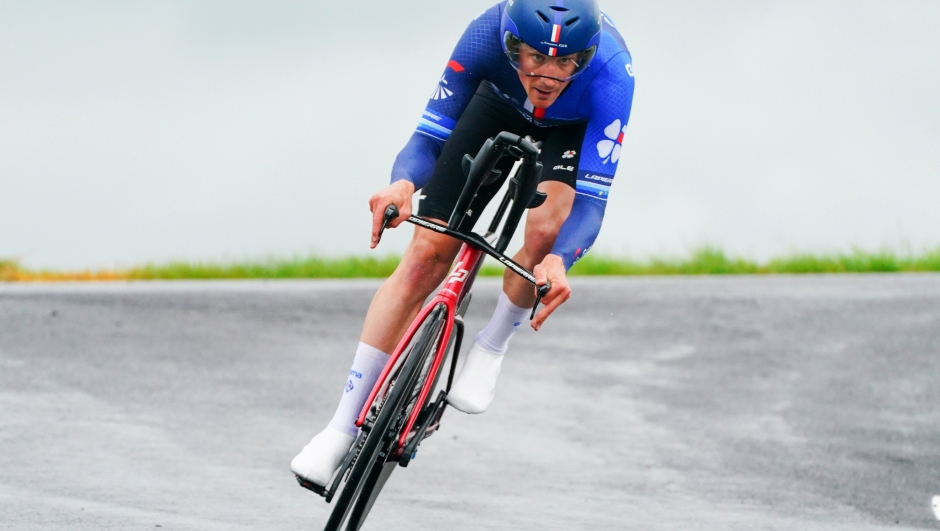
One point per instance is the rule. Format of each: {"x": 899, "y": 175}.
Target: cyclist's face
{"x": 540, "y": 74}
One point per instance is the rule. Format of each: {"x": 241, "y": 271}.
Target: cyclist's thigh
{"x": 560, "y": 157}
{"x": 485, "y": 117}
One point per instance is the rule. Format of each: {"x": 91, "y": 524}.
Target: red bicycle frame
{"x": 524, "y": 194}
{"x": 451, "y": 295}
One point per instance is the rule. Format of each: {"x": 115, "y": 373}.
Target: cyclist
{"x": 556, "y": 70}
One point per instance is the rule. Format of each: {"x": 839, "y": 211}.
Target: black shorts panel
{"x": 561, "y": 153}
{"x": 485, "y": 117}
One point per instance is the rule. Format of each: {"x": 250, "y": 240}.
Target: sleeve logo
{"x": 609, "y": 149}
{"x": 442, "y": 92}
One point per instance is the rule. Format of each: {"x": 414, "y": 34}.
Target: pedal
{"x": 311, "y": 486}
{"x": 344, "y": 468}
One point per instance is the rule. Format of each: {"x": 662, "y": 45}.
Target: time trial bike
{"x": 408, "y": 400}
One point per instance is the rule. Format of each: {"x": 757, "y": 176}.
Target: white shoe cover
{"x": 475, "y": 387}
{"x": 319, "y": 459}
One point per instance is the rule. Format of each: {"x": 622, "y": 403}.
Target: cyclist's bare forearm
{"x": 399, "y": 194}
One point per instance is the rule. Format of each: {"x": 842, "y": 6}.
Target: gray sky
{"x": 212, "y": 130}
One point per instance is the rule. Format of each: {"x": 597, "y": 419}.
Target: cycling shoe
{"x": 322, "y": 456}
{"x": 475, "y": 387}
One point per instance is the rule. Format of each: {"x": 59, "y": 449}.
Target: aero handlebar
{"x": 474, "y": 240}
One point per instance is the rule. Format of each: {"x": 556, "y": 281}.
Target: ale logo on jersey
{"x": 609, "y": 149}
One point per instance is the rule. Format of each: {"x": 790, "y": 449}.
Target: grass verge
{"x": 705, "y": 261}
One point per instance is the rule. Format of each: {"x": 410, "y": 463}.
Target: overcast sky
{"x": 136, "y": 131}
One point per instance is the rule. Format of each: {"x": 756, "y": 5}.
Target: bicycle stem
{"x": 523, "y": 191}
{"x": 480, "y": 169}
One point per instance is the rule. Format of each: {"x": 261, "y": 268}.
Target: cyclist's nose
{"x": 553, "y": 70}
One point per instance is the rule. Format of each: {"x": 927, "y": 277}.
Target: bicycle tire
{"x": 382, "y": 469}
{"x": 373, "y": 484}
{"x": 371, "y": 448}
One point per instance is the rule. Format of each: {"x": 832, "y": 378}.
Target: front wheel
{"x": 381, "y": 470}
{"x": 375, "y": 463}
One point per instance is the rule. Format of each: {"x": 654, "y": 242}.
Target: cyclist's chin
{"x": 542, "y": 98}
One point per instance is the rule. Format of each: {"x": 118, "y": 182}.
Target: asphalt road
{"x": 779, "y": 403}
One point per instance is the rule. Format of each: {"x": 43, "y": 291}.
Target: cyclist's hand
{"x": 399, "y": 194}
{"x": 551, "y": 269}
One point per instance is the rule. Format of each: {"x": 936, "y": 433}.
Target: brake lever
{"x": 539, "y": 293}
{"x": 391, "y": 212}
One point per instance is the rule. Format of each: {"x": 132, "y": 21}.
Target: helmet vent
{"x": 558, "y": 8}
{"x": 572, "y": 21}
{"x": 542, "y": 16}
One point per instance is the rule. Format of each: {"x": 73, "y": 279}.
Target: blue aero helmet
{"x": 554, "y": 28}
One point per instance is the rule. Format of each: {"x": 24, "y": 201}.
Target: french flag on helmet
{"x": 552, "y": 27}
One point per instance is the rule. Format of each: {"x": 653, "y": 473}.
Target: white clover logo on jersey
{"x": 442, "y": 92}
{"x": 569, "y": 154}
{"x": 609, "y": 150}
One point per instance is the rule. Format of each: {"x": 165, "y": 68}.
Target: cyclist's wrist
{"x": 553, "y": 257}
{"x": 404, "y": 185}
{"x": 402, "y": 179}
{"x": 401, "y": 191}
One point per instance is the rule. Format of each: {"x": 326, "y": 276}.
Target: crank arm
{"x": 412, "y": 446}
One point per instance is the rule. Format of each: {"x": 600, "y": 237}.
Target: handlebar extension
{"x": 480, "y": 171}
{"x": 391, "y": 212}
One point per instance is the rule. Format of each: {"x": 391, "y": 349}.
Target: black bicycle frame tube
{"x": 527, "y": 182}
{"x": 500, "y": 212}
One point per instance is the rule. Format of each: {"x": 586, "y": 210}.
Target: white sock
{"x": 507, "y": 318}
{"x": 365, "y": 370}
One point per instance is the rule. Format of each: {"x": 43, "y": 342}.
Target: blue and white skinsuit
{"x": 601, "y": 96}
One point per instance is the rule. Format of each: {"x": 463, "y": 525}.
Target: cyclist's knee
{"x": 540, "y": 234}
{"x": 544, "y": 223}
{"x": 427, "y": 259}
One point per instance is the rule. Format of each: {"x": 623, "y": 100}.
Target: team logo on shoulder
{"x": 442, "y": 92}
{"x": 630, "y": 69}
{"x": 569, "y": 154}
{"x": 609, "y": 150}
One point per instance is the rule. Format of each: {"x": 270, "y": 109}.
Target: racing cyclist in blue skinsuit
{"x": 556, "y": 70}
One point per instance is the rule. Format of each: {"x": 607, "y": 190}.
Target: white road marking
{"x": 936, "y": 506}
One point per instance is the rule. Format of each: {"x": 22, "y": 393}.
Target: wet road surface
{"x": 809, "y": 403}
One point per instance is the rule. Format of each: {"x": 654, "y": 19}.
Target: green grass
{"x": 704, "y": 261}
{"x": 310, "y": 267}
